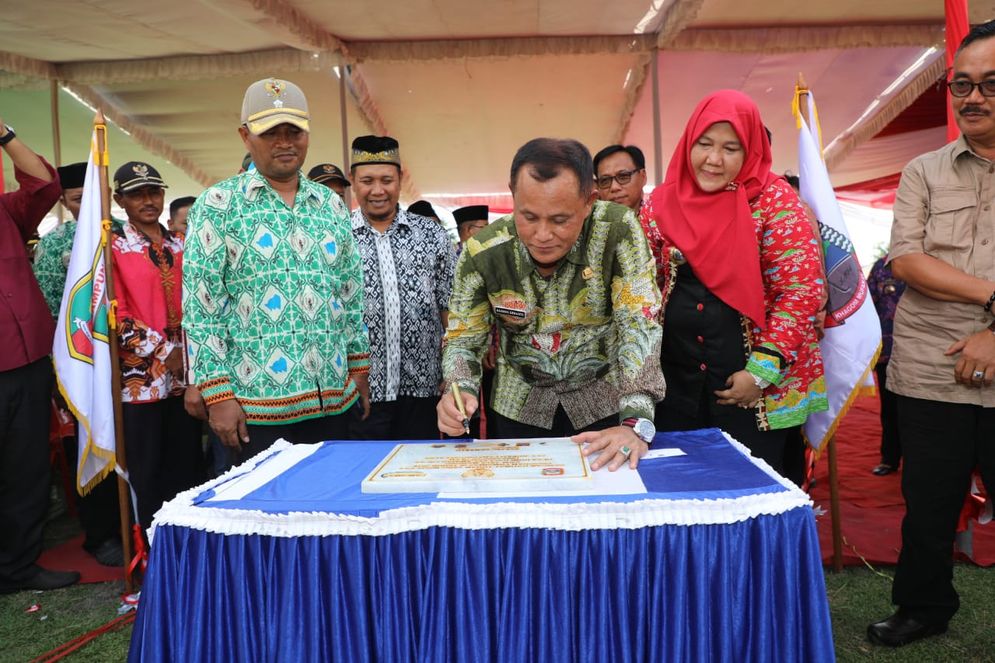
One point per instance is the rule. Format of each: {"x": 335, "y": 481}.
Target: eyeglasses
{"x": 623, "y": 177}
{"x": 963, "y": 88}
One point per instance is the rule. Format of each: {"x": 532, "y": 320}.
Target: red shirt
{"x": 148, "y": 286}
{"x": 26, "y": 325}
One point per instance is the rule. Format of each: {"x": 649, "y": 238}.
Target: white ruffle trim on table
{"x": 181, "y": 511}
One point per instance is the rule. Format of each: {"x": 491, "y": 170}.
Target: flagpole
{"x": 834, "y": 484}
{"x": 123, "y": 490}
{"x": 344, "y": 122}
{"x": 958, "y": 25}
{"x": 657, "y": 153}
{"x": 56, "y": 136}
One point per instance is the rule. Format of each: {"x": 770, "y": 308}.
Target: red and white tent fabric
{"x": 463, "y": 83}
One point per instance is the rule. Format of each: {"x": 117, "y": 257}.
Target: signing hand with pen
{"x": 450, "y": 419}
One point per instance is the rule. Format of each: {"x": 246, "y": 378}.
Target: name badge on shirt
{"x": 518, "y": 314}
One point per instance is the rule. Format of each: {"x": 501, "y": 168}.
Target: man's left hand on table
{"x": 613, "y": 443}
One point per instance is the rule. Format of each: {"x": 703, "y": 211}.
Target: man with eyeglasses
{"x": 620, "y": 172}
{"x": 620, "y": 175}
{"x": 943, "y": 358}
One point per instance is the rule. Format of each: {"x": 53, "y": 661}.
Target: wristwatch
{"x": 9, "y": 136}
{"x": 759, "y": 381}
{"x": 643, "y": 428}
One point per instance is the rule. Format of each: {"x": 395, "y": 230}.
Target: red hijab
{"x": 715, "y": 231}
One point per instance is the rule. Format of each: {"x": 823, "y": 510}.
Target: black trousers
{"x": 164, "y": 452}
{"x": 941, "y": 443}
{"x": 309, "y": 431}
{"x": 793, "y": 466}
{"x": 508, "y": 429}
{"x": 739, "y": 422}
{"x": 891, "y": 447}
{"x": 407, "y": 418}
{"x": 99, "y": 512}
{"x": 25, "y": 398}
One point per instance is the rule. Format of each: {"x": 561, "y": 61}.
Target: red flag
{"x": 957, "y": 28}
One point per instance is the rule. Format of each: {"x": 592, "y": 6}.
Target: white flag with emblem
{"x": 853, "y": 331}
{"x": 81, "y": 350}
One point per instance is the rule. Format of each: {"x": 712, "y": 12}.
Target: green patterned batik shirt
{"x": 586, "y": 338}
{"x": 51, "y": 262}
{"x": 273, "y": 300}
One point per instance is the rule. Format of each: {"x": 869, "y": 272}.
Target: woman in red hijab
{"x": 741, "y": 281}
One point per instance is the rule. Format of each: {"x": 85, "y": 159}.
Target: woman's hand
{"x": 742, "y": 391}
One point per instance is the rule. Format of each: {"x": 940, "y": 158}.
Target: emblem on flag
{"x": 86, "y": 319}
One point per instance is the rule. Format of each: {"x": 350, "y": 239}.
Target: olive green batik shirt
{"x": 585, "y": 338}
{"x": 273, "y": 300}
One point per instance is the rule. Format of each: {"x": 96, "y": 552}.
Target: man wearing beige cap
{"x": 273, "y": 303}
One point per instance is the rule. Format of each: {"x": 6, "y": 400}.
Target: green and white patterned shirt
{"x": 586, "y": 338}
{"x": 51, "y": 262}
{"x": 273, "y": 300}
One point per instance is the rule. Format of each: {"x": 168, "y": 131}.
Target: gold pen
{"x": 458, "y": 397}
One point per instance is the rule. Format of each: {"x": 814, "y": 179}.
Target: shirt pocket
{"x": 950, "y": 225}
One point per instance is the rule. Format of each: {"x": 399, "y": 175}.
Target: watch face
{"x": 645, "y": 429}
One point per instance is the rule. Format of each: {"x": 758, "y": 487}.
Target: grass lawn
{"x": 857, "y": 597}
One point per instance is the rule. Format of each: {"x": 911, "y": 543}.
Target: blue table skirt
{"x": 746, "y": 591}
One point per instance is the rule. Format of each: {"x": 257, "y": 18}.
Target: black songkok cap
{"x": 471, "y": 213}
{"x": 423, "y": 208}
{"x": 375, "y": 149}
{"x": 72, "y": 175}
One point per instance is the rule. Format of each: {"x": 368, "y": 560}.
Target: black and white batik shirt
{"x": 408, "y": 276}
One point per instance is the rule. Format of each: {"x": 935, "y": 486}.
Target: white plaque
{"x": 540, "y": 464}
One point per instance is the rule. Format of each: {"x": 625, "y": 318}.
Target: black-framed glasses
{"x": 962, "y": 87}
{"x": 623, "y": 177}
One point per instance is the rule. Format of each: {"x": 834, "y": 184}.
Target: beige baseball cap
{"x": 273, "y": 101}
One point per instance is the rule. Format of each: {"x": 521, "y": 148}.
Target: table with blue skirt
{"x": 284, "y": 558}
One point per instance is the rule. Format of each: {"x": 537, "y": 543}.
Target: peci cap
{"x": 136, "y": 174}
{"x": 273, "y": 101}
{"x": 423, "y": 208}
{"x": 471, "y": 213}
{"x": 73, "y": 175}
{"x": 325, "y": 172}
{"x": 368, "y": 150}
